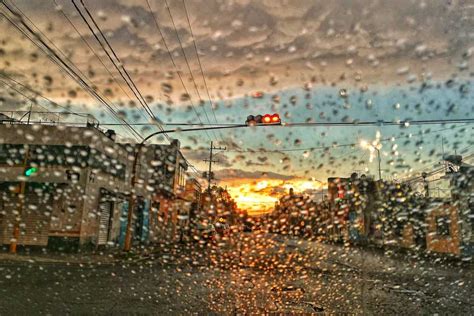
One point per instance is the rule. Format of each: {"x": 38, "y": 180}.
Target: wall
{"x": 90, "y": 214}
{"x": 75, "y": 213}
{"x": 439, "y": 243}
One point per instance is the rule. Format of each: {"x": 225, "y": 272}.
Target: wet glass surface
{"x": 236, "y": 157}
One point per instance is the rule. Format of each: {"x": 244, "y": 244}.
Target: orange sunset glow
{"x": 259, "y": 197}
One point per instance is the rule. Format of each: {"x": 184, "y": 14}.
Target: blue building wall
{"x": 141, "y": 225}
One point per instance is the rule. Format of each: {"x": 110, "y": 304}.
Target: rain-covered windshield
{"x": 234, "y": 157}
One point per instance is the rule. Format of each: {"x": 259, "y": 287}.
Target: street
{"x": 257, "y": 273}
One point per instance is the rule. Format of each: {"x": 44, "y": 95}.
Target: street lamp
{"x": 373, "y": 146}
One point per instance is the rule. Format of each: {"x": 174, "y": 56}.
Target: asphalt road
{"x": 255, "y": 273}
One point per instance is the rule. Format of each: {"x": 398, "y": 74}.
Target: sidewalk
{"x": 160, "y": 254}
{"x": 61, "y": 258}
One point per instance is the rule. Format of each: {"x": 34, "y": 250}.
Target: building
{"x": 76, "y": 195}
{"x": 188, "y": 205}
{"x": 192, "y": 194}
{"x": 450, "y": 224}
{"x": 79, "y": 194}
{"x": 161, "y": 182}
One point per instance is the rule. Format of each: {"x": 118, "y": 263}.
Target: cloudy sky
{"x": 314, "y": 61}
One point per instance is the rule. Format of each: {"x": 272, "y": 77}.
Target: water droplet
{"x": 343, "y": 93}
{"x": 166, "y": 87}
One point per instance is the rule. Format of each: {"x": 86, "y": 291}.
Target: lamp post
{"x": 366, "y": 144}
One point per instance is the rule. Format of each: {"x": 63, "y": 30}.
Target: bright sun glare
{"x": 258, "y": 197}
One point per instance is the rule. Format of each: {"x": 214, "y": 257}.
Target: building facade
{"x": 75, "y": 196}
{"x": 77, "y": 191}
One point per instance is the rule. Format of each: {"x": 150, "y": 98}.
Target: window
{"x": 11, "y": 154}
{"x": 443, "y": 226}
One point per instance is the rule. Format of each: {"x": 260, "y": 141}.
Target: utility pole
{"x": 209, "y": 172}
{"x": 379, "y": 161}
{"x": 426, "y": 184}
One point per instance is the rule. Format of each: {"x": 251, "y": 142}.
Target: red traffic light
{"x": 276, "y": 118}
{"x": 264, "y": 120}
{"x": 267, "y": 118}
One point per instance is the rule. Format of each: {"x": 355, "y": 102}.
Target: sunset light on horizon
{"x": 259, "y": 197}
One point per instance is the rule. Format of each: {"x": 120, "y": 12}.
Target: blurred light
{"x": 276, "y": 118}
{"x": 267, "y": 119}
{"x": 30, "y": 171}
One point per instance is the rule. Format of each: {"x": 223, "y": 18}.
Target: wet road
{"x": 256, "y": 273}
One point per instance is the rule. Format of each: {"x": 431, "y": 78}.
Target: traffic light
{"x": 267, "y": 119}
{"x": 29, "y": 171}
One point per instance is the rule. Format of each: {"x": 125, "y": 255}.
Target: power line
{"x": 122, "y": 70}
{"x": 58, "y": 60}
{"x": 402, "y": 123}
{"x": 435, "y": 171}
{"x": 368, "y": 123}
{"x": 95, "y": 53}
{"x": 200, "y": 65}
{"x": 119, "y": 69}
{"x": 133, "y": 124}
{"x": 428, "y": 167}
{"x": 91, "y": 49}
{"x": 187, "y": 62}
{"x": 276, "y": 150}
{"x": 50, "y": 41}
{"x": 67, "y": 111}
{"x": 174, "y": 65}
{"x": 37, "y": 40}
{"x": 197, "y": 173}
{"x": 335, "y": 145}
{"x": 24, "y": 95}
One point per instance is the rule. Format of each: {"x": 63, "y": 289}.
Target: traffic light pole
{"x": 132, "y": 197}
{"x": 209, "y": 175}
